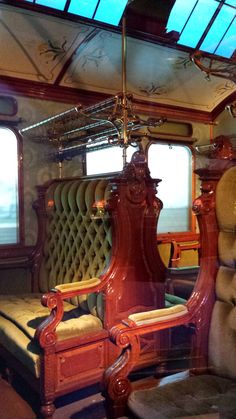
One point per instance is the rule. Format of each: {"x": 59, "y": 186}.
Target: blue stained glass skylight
{"x": 56, "y": 4}
{"x": 210, "y": 19}
{"x": 198, "y": 22}
{"x": 179, "y": 14}
{"x": 218, "y": 29}
{"x": 231, "y": 2}
{"x": 106, "y": 11}
{"x": 227, "y": 46}
{"x": 110, "y": 11}
{"x": 85, "y": 8}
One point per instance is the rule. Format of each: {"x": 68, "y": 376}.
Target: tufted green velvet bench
{"x": 95, "y": 262}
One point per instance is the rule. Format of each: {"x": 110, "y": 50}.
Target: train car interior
{"x": 117, "y": 209}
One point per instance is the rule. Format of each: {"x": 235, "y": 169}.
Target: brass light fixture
{"x": 211, "y": 67}
{"x": 110, "y": 122}
{"x": 231, "y": 108}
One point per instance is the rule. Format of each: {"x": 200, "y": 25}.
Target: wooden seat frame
{"x": 133, "y": 281}
{"x": 197, "y": 311}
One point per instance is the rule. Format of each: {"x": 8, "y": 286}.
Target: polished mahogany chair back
{"x": 209, "y": 388}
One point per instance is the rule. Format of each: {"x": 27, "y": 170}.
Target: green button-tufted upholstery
{"x": 21, "y": 315}
{"x": 222, "y": 343}
{"x": 78, "y": 240}
{"x": 77, "y": 245}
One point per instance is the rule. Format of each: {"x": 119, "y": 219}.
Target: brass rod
{"x": 124, "y": 49}
{"x": 124, "y": 92}
{"x": 89, "y": 110}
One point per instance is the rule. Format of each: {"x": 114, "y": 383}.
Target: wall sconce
{"x": 231, "y": 108}
{"x": 99, "y": 209}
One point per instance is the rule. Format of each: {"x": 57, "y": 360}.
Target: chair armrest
{"x": 142, "y": 323}
{"x": 46, "y": 331}
{"x": 159, "y": 315}
{"x": 79, "y": 287}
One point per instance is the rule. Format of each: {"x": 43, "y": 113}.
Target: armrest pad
{"x": 159, "y": 315}
{"x": 77, "y": 286}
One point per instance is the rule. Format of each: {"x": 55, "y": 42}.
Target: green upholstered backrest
{"x": 78, "y": 239}
{"x": 222, "y": 341}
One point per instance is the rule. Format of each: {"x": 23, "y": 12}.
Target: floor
{"x": 86, "y": 403}
{"x": 82, "y": 405}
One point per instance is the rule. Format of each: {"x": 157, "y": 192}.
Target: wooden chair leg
{"x": 47, "y": 410}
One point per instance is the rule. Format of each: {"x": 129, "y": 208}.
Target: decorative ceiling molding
{"x": 36, "y": 90}
{"x": 79, "y": 63}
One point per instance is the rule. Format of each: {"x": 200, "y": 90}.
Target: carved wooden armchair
{"x": 209, "y": 388}
{"x": 95, "y": 262}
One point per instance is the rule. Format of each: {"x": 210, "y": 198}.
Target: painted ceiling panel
{"x": 35, "y": 47}
{"x": 154, "y": 72}
{"x": 57, "y": 51}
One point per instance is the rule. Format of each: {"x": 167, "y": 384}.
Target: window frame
{"x": 7, "y": 247}
{"x": 191, "y": 234}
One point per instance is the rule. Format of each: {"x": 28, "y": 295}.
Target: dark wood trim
{"x": 39, "y": 90}
{"x": 179, "y": 237}
{"x": 172, "y": 112}
{"x": 16, "y": 256}
{"x": 44, "y": 91}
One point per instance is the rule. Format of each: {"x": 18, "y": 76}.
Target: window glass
{"x": 9, "y": 197}
{"x": 172, "y": 164}
{"x": 227, "y": 45}
{"x": 56, "y": 4}
{"x": 107, "y": 160}
{"x": 179, "y": 14}
{"x": 110, "y": 11}
{"x": 218, "y": 29}
{"x": 83, "y": 8}
{"x": 197, "y": 23}
{"x": 210, "y": 19}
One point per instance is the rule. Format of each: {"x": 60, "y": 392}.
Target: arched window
{"x": 172, "y": 163}
{"x": 10, "y": 232}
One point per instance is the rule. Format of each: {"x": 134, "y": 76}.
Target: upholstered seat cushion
{"x": 193, "y": 396}
{"x": 20, "y": 316}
